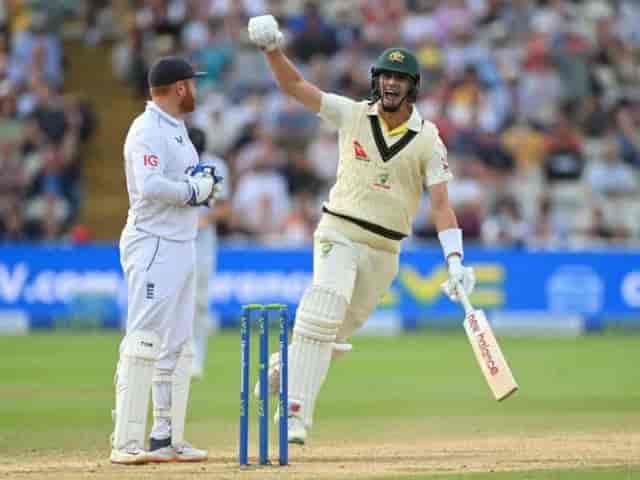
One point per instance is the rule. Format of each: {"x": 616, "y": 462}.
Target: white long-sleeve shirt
{"x": 157, "y": 153}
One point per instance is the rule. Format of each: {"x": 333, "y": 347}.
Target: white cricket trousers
{"x": 161, "y": 283}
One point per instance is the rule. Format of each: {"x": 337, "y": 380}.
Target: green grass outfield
{"x": 396, "y": 407}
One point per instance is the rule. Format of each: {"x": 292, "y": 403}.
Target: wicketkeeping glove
{"x": 264, "y": 32}
{"x": 204, "y": 184}
{"x": 459, "y": 277}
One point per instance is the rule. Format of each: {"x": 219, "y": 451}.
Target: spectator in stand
{"x": 600, "y": 230}
{"x": 382, "y": 22}
{"x": 453, "y": 18}
{"x": 49, "y": 113}
{"x": 312, "y": 35}
{"x": 300, "y": 175}
{"x": 610, "y": 175}
{"x": 12, "y": 224}
{"x": 261, "y": 201}
{"x": 549, "y": 231}
{"x": 302, "y": 219}
{"x": 322, "y": 153}
{"x": 223, "y": 122}
{"x": 627, "y": 120}
{"x": 420, "y": 24}
{"x": 36, "y": 49}
{"x": 526, "y": 144}
{"x": 214, "y": 56}
{"x": 505, "y": 226}
{"x": 540, "y": 87}
{"x": 564, "y": 160}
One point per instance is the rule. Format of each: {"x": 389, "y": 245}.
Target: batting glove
{"x": 459, "y": 277}
{"x": 264, "y": 32}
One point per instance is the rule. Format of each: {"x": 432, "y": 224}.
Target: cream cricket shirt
{"x": 382, "y": 175}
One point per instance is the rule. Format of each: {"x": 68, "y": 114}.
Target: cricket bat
{"x": 487, "y": 351}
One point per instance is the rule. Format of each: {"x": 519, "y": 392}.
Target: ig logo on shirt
{"x": 151, "y": 161}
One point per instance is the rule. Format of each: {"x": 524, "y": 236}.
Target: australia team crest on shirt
{"x": 325, "y": 249}
{"x": 382, "y": 180}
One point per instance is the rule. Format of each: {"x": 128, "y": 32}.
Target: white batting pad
{"x": 320, "y": 314}
{"x": 133, "y": 384}
{"x": 308, "y": 366}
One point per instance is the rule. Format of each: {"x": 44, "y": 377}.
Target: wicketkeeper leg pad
{"x": 171, "y": 396}
{"x": 139, "y": 352}
{"x": 180, "y": 393}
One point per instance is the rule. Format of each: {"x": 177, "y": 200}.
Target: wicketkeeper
{"x": 166, "y": 185}
{"x": 388, "y": 156}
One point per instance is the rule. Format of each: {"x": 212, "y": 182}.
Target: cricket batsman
{"x": 166, "y": 185}
{"x": 388, "y": 156}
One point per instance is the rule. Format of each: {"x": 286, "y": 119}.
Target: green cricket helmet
{"x": 399, "y": 60}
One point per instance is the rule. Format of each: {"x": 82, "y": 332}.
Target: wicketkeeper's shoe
{"x": 296, "y": 430}
{"x": 185, "y": 452}
{"x": 131, "y": 454}
{"x": 162, "y": 451}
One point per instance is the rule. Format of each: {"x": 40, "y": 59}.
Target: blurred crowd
{"x": 538, "y": 103}
{"x": 42, "y": 126}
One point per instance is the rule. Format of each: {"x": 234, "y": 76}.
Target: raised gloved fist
{"x": 204, "y": 184}
{"x": 264, "y": 32}
{"x": 459, "y": 277}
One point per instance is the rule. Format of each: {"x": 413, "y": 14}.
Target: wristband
{"x": 451, "y": 242}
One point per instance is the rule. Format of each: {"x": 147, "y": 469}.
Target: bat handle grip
{"x": 466, "y": 304}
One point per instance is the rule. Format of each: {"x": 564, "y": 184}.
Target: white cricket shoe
{"x": 131, "y": 454}
{"x": 185, "y": 452}
{"x": 161, "y": 451}
{"x": 162, "y": 455}
{"x": 296, "y": 430}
